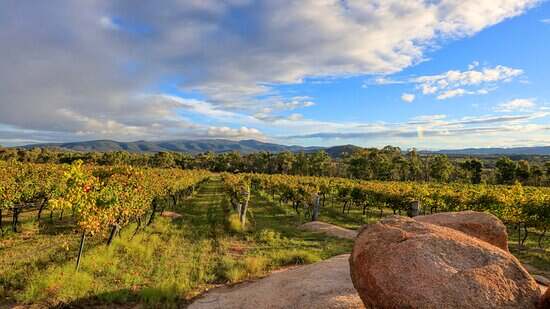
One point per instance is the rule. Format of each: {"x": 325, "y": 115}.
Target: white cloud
{"x": 440, "y": 131}
{"x": 295, "y": 117}
{"x": 473, "y": 65}
{"x": 231, "y": 133}
{"x": 107, "y": 23}
{"x": 382, "y": 81}
{"x": 200, "y": 107}
{"x": 97, "y": 76}
{"x": 545, "y": 21}
{"x": 424, "y": 119}
{"x": 451, "y": 93}
{"x": 457, "y": 83}
{"x": 294, "y": 103}
{"x": 407, "y": 97}
{"x": 516, "y": 105}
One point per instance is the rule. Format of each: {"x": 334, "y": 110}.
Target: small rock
{"x": 170, "y": 214}
{"x": 542, "y": 280}
{"x": 403, "y": 263}
{"x": 477, "y": 224}
{"x": 329, "y": 229}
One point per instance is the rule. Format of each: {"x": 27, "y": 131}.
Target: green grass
{"x": 531, "y": 253}
{"x": 165, "y": 265}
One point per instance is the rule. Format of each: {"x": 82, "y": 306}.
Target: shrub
{"x": 234, "y": 224}
{"x": 294, "y": 257}
{"x": 269, "y": 236}
{"x": 255, "y": 265}
{"x": 230, "y": 270}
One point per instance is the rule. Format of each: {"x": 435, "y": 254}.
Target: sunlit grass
{"x": 166, "y": 264}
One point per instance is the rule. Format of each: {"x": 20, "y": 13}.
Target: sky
{"x": 434, "y": 74}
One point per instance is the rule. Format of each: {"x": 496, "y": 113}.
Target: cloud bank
{"x": 94, "y": 69}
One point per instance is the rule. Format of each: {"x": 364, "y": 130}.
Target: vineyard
{"x": 528, "y": 207}
{"x": 101, "y": 234}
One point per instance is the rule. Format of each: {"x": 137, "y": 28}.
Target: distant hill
{"x": 540, "y": 151}
{"x": 188, "y": 146}
{"x": 251, "y": 146}
{"x": 339, "y": 151}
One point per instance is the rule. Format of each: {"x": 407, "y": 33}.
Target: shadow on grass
{"x": 127, "y": 298}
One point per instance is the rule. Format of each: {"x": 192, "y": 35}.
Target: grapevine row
{"x": 514, "y": 204}
{"x": 99, "y": 198}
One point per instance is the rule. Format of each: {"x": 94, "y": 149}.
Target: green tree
{"x": 163, "y": 160}
{"x": 536, "y": 175}
{"x": 114, "y": 158}
{"x": 523, "y": 171}
{"x": 302, "y": 164}
{"x": 547, "y": 168}
{"x": 400, "y": 169}
{"x": 285, "y": 161}
{"x": 379, "y": 164}
{"x": 440, "y": 168}
{"x": 474, "y": 168}
{"x": 506, "y": 170}
{"x": 415, "y": 166}
{"x": 358, "y": 165}
{"x": 320, "y": 163}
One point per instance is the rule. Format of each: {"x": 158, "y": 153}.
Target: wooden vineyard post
{"x": 414, "y": 209}
{"x": 112, "y": 234}
{"x": 153, "y": 213}
{"x": 80, "y": 249}
{"x": 316, "y": 206}
{"x": 244, "y": 207}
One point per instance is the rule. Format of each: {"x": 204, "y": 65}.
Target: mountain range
{"x": 538, "y": 150}
{"x": 192, "y": 146}
{"x": 251, "y": 146}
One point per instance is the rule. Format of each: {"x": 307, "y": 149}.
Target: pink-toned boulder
{"x": 545, "y": 300}
{"x": 477, "y": 224}
{"x": 403, "y": 263}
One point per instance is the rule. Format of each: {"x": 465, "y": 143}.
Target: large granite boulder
{"x": 477, "y": 224}
{"x": 403, "y": 263}
{"x": 545, "y": 300}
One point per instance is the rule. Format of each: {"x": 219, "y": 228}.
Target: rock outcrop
{"x": 477, "y": 224}
{"x": 404, "y": 263}
{"x": 545, "y": 300}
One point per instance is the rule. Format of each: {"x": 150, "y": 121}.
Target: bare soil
{"x": 326, "y": 284}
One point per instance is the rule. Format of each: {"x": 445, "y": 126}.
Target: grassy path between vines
{"x": 165, "y": 265}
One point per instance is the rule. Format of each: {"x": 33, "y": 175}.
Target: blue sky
{"x": 424, "y": 74}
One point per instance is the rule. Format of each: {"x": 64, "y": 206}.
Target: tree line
{"x": 388, "y": 163}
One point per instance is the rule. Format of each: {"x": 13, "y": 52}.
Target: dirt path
{"x": 326, "y": 284}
